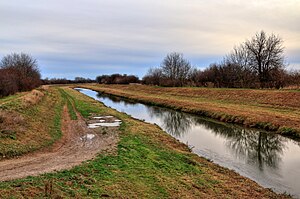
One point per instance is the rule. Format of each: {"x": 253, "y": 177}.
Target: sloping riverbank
{"x": 272, "y": 110}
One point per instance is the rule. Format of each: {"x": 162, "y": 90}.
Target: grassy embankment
{"x": 31, "y": 120}
{"x": 147, "y": 163}
{"x": 272, "y": 110}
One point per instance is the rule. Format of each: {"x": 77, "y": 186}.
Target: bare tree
{"x": 25, "y": 68}
{"x": 265, "y": 55}
{"x": 236, "y": 65}
{"x": 176, "y": 68}
{"x": 154, "y": 76}
{"x": 239, "y": 56}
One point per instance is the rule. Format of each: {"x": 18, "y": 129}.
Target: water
{"x": 271, "y": 160}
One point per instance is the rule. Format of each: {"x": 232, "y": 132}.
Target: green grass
{"x": 10, "y": 97}
{"x": 68, "y": 100}
{"x": 140, "y": 169}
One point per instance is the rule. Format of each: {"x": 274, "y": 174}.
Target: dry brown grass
{"x": 27, "y": 122}
{"x": 32, "y": 98}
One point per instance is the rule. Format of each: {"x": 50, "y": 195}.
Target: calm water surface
{"x": 272, "y": 161}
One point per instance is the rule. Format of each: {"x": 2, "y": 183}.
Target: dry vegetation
{"x": 29, "y": 121}
{"x": 274, "y": 110}
{"x": 18, "y": 72}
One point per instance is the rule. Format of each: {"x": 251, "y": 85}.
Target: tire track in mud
{"x": 73, "y": 148}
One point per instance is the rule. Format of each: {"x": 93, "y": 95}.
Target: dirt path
{"x": 78, "y": 144}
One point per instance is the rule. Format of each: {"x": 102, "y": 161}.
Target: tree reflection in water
{"x": 115, "y": 99}
{"x": 174, "y": 122}
{"x": 257, "y": 148}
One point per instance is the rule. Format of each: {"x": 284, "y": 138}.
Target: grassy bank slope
{"x": 147, "y": 163}
{"x": 30, "y": 121}
{"x": 267, "y": 109}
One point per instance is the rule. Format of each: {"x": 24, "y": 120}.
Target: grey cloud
{"x": 86, "y": 35}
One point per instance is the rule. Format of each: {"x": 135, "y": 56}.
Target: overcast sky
{"x": 86, "y": 38}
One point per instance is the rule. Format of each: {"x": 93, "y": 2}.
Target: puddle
{"x": 107, "y": 124}
{"x": 87, "y": 137}
{"x": 104, "y": 121}
{"x": 103, "y": 117}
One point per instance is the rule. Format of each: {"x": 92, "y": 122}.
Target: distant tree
{"x": 154, "y": 76}
{"x": 82, "y": 80}
{"x": 117, "y": 79}
{"x": 239, "y": 56}
{"x": 266, "y": 55}
{"x": 57, "y": 81}
{"x": 25, "y": 68}
{"x": 258, "y": 62}
{"x": 103, "y": 79}
{"x": 176, "y": 68}
{"x": 294, "y": 79}
{"x": 131, "y": 79}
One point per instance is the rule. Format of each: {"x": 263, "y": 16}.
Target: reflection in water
{"x": 257, "y": 148}
{"x": 115, "y": 99}
{"x": 175, "y": 123}
{"x": 271, "y": 160}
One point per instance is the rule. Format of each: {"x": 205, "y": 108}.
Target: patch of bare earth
{"x": 78, "y": 144}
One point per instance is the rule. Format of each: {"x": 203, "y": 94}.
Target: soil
{"x": 78, "y": 144}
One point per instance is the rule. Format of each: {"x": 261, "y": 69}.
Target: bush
{"x": 8, "y": 82}
{"x": 18, "y": 72}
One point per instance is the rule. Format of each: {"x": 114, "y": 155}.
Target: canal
{"x": 273, "y": 161}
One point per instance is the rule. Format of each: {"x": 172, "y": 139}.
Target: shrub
{"x": 18, "y": 72}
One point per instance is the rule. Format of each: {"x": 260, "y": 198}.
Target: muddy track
{"x": 75, "y": 146}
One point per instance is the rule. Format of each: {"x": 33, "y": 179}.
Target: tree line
{"x": 18, "y": 72}
{"x": 256, "y": 63}
{"x": 77, "y": 80}
{"x": 117, "y": 79}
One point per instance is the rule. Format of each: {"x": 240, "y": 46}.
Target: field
{"x": 145, "y": 163}
{"x": 272, "y": 110}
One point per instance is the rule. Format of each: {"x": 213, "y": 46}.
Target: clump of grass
{"x": 264, "y": 125}
{"x": 289, "y": 132}
{"x": 8, "y": 134}
{"x": 32, "y": 98}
